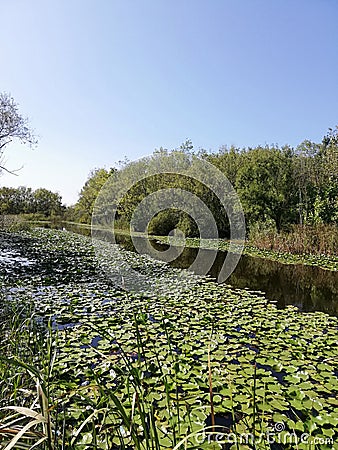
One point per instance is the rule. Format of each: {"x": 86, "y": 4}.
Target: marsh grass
{"x": 25, "y": 365}
{"x": 299, "y": 239}
{"x": 38, "y": 412}
{"x": 166, "y": 369}
{"x": 13, "y": 223}
{"x": 32, "y": 417}
{"x": 137, "y": 416}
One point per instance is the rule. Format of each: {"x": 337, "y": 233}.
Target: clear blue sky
{"x": 104, "y": 79}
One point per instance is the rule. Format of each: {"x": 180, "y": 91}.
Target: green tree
{"x": 47, "y": 202}
{"x": 178, "y": 172}
{"x": 187, "y": 146}
{"x": 23, "y": 200}
{"x": 85, "y": 204}
{"x": 7, "y": 200}
{"x": 316, "y": 172}
{"x": 228, "y": 161}
{"x": 326, "y": 210}
{"x": 265, "y": 185}
{"x": 306, "y": 176}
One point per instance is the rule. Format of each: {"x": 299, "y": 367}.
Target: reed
{"x": 299, "y": 239}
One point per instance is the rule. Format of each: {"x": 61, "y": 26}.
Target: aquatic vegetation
{"x": 132, "y": 370}
{"x": 323, "y": 261}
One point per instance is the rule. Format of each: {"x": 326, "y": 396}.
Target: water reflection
{"x": 309, "y": 288}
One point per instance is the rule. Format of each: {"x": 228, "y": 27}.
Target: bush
{"x": 163, "y": 223}
{"x": 188, "y": 226}
{"x": 168, "y": 220}
{"x": 12, "y": 224}
{"x": 315, "y": 239}
{"x": 263, "y": 234}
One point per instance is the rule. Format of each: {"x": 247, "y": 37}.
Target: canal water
{"x": 308, "y": 288}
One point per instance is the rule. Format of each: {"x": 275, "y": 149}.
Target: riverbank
{"x": 322, "y": 261}
{"x": 120, "y": 369}
{"x": 326, "y": 262}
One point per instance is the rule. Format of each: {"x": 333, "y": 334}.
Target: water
{"x": 10, "y": 257}
{"x": 308, "y": 288}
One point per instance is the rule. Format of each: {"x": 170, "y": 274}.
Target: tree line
{"x": 285, "y": 185}
{"x": 24, "y": 200}
{"x": 277, "y": 186}
{"x": 289, "y": 195}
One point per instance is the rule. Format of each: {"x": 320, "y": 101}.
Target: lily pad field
{"x": 191, "y": 364}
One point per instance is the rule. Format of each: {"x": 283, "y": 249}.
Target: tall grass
{"x": 25, "y": 366}
{"x": 300, "y": 239}
{"x": 37, "y": 412}
{"x": 33, "y": 413}
{"x": 13, "y": 223}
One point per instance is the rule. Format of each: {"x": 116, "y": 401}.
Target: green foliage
{"x": 122, "y": 370}
{"x": 47, "y": 202}
{"x": 84, "y": 207}
{"x": 187, "y": 225}
{"x": 168, "y": 221}
{"x": 278, "y": 188}
{"x": 164, "y": 222}
{"x": 263, "y": 232}
{"x": 23, "y": 200}
{"x": 264, "y": 184}
{"x": 13, "y": 223}
{"x": 227, "y": 161}
{"x": 316, "y": 176}
{"x": 139, "y": 187}
{"x": 16, "y": 200}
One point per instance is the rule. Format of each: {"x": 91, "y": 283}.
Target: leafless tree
{"x": 13, "y": 127}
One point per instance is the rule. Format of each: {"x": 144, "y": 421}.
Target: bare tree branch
{"x": 12, "y": 172}
{"x": 13, "y": 126}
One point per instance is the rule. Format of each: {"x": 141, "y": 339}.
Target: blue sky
{"x": 105, "y": 79}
